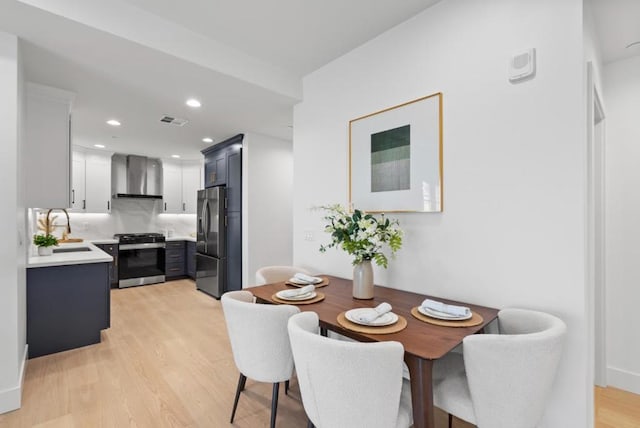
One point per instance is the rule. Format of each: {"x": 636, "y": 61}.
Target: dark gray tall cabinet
{"x": 223, "y": 167}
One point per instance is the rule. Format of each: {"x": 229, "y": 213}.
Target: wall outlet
{"x": 308, "y": 235}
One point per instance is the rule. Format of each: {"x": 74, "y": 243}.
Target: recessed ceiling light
{"x": 192, "y": 102}
{"x": 207, "y": 140}
{"x": 113, "y": 122}
{"x": 175, "y": 156}
{"x": 100, "y": 146}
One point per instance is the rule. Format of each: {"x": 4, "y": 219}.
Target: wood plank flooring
{"x": 616, "y": 408}
{"x": 166, "y": 362}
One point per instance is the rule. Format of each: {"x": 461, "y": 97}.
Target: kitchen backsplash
{"x": 127, "y": 216}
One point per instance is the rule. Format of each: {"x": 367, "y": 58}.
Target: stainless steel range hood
{"x": 136, "y": 177}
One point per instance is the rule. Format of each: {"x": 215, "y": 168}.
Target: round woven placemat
{"x": 319, "y": 297}
{"x": 324, "y": 283}
{"x": 393, "y": 328}
{"x": 476, "y": 319}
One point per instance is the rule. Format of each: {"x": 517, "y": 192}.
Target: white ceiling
{"x": 297, "y": 35}
{"x": 141, "y": 59}
{"x": 137, "y": 60}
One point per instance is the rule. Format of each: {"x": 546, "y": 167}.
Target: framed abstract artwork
{"x": 395, "y": 158}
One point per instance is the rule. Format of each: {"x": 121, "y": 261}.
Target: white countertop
{"x": 182, "y": 238}
{"x": 95, "y": 255}
{"x": 103, "y": 241}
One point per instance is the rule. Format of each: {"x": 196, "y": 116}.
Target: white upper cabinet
{"x": 98, "y": 182}
{"x": 47, "y": 147}
{"x": 191, "y": 183}
{"x": 78, "y": 202}
{"x": 181, "y": 181}
{"x": 171, "y": 187}
{"x": 91, "y": 190}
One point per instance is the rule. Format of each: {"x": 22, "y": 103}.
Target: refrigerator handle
{"x": 201, "y": 219}
{"x": 206, "y": 214}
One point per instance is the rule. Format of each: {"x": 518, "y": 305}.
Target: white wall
{"x": 622, "y": 95}
{"x": 591, "y": 47}
{"x": 12, "y": 228}
{"x": 512, "y": 233}
{"x": 595, "y": 204}
{"x": 267, "y": 174}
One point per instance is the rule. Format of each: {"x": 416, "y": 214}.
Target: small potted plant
{"x": 44, "y": 244}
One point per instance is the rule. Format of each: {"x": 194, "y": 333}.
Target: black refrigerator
{"x": 210, "y": 242}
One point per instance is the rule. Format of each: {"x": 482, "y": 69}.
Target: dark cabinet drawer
{"x": 174, "y": 256}
{"x": 174, "y": 259}
{"x": 174, "y": 269}
{"x": 174, "y": 245}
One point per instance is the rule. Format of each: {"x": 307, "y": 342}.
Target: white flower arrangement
{"x": 361, "y": 235}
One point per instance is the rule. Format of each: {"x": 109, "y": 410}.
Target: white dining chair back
{"x": 270, "y": 274}
{"x": 259, "y": 341}
{"x": 347, "y": 384}
{"x": 503, "y": 380}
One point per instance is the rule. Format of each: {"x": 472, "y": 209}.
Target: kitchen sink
{"x": 71, "y": 250}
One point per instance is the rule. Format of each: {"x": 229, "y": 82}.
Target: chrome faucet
{"x": 67, "y": 232}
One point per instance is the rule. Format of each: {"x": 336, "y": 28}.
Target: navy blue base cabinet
{"x": 191, "y": 259}
{"x": 112, "y": 250}
{"x": 174, "y": 260}
{"x": 67, "y": 307}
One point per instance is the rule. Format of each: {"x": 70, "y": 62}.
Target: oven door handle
{"x": 144, "y": 246}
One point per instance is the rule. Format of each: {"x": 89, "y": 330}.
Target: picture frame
{"x": 395, "y": 158}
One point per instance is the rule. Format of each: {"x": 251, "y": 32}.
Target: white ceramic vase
{"x": 363, "y": 280}
{"x": 45, "y": 251}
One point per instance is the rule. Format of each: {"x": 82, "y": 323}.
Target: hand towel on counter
{"x": 453, "y": 310}
{"x": 307, "y": 289}
{"x": 373, "y": 314}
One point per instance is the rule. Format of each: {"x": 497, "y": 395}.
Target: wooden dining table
{"x": 423, "y": 343}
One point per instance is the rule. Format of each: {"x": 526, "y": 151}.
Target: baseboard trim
{"x": 11, "y": 399}
{"x": 623, "y": 379}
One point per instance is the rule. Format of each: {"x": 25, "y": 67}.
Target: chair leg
{"x": 274, "y": 404}
{"x": 450, "y": 420}
{"x": 241, "y": 382}
{"x": 286, "y": 387}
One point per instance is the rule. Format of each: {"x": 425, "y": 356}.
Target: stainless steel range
{"x": 140, "y": 258}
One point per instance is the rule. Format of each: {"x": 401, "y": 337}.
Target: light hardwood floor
{"x": 166, "y": 362}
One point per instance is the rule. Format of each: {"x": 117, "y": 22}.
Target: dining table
{"x": 424, "y": 343}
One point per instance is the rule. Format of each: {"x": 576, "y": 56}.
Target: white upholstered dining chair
{"x": 259, "y": 342}
{"x": 347, "y": 384}
{"x": 269, "y": 274}
{"x": 502, "y": 380}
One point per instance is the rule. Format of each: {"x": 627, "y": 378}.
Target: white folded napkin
{"x": 307, "y": 289}
{"x": 373, "y": 314}
{"x": 301, "y": 277}
{"x": 458, "y": 311}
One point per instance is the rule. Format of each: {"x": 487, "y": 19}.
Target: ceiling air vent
{"x": 175, "y": 121}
